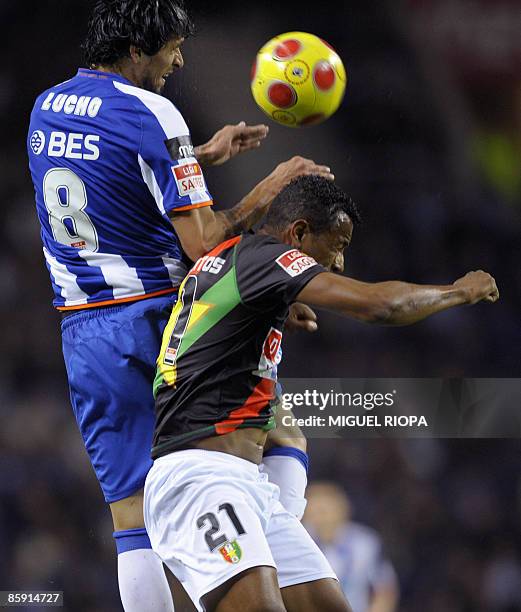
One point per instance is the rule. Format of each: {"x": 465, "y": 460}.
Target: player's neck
{"x": 269, "y": 231}
{"x": 120, "y": 69}
{"x": 284, "y": 236}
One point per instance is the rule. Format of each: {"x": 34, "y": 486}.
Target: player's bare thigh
{"x": 254, "y": 590}
{"x": 127, "y": 513}
{"x": 323, "y": 595}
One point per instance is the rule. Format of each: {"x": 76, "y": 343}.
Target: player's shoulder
{"x": 266, "y": 252}
{"x": 155, "y": 109}
{"x": 260, "y": 246}
{"x": 256, "y": 240}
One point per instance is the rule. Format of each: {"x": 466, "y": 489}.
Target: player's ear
{"x": 135, "y": 54}
{"x": 299, "y": 229}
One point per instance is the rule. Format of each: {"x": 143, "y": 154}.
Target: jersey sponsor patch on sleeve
{"x": 180, "y": 147}
{"x": 295, "y": 262}
{"x": 189, "y": 178}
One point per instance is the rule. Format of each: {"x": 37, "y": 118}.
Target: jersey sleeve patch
{"x": 189, "y": 178}
{"x": 295, "y": 262}
{"x": 180, "y": 148}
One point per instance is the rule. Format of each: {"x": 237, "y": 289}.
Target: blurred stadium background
{"x": 428, "y": 142}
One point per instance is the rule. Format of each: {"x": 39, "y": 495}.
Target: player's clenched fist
{"x": 479, "y": 286}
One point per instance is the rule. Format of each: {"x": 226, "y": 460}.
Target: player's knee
{"x": 128, "y": 513}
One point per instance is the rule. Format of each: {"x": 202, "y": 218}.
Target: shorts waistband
{"x": 209, "y": 455}
{"x": 90, "y": 313}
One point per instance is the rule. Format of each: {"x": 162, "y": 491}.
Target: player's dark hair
{"x": 147, "y": 24}
{"x": 313, "y": 198}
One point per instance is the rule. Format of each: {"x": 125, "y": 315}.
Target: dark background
{"x": 428, "y": 142}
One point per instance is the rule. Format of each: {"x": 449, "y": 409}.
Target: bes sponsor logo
{"x": 74, "y": 146}
{"x": 189, "y": 178}
{"x": 295, "y": 262}
{"x": 70, "y": 146}
{"x": 180, "y": 148}
{"x": 37, "y": 142}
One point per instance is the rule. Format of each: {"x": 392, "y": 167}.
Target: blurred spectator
{"x": 502, "y": 581}
{"x": 354, "y": 550}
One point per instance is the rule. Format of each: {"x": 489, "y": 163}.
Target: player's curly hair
{"x": 148, "y": 24}
{"x": 313, "y": 198}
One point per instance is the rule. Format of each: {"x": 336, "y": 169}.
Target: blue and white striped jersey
{"x": 109, "y": 162}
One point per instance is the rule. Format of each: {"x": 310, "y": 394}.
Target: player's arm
{"x": 395, "y": 302}
{"x": 175, "y": 180}
{"x": 285, "y": 432}
{"x": 285, "y": 462}
{"x": 201, "y": 229}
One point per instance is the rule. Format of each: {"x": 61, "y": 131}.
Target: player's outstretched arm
{"x": 229, "y": 142}
{"x": 395, "y": 302}
{"x": 202, "y": 229}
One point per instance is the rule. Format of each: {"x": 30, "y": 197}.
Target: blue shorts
{"x": 110, "y": 356}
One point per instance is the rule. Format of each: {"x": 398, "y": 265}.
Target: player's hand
{"x": 285, "y": 172}
{"x": 229, "y": 141}
{"x": 478, "y": 286}
{"x": 301, "y": 318}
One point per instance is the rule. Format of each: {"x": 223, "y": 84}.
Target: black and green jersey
{"x": 218, "y": 363}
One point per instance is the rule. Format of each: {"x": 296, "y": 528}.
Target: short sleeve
{"x": 271, "y": 274}
{"x": 167, "y": 160}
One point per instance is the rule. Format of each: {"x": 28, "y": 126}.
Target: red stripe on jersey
{"x": 224, "y": 245}
{"x": 263, "y": 393}
{"x": 213, "y": 253}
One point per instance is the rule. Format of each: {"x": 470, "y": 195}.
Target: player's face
{"x": 328, "y": 247}
{"x": 157, "y": 68}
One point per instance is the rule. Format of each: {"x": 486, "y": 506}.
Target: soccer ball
{"x": 298, "y": 79}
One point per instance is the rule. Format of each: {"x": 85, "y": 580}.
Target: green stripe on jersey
{"x": 222, "y": 298}
{"x": 158, "y": 381}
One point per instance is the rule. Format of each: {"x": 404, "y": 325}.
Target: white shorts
{"x": 211, "y": 515}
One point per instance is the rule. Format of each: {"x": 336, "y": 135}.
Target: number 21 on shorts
{"x": 229, "y": 548}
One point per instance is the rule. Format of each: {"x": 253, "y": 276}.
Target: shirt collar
{"x": 100, "y": 74}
